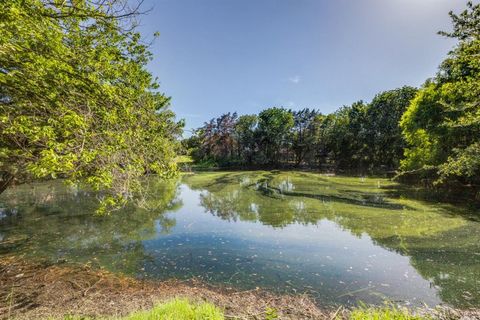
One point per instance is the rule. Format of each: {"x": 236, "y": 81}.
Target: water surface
{"x": 339, "y": 239}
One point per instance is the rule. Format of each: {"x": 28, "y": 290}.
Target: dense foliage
{"x": 357, "y": 137}
{"x": 76, "y": 100}
{"x": 442, "y": 124}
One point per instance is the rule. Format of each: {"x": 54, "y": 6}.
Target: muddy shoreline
{"x": 40, "y": 290}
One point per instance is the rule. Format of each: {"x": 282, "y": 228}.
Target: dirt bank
{"x": 40, "y": 290}
{"x": 37, "y": 290}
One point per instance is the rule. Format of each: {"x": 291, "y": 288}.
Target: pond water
{"x": 341, "y": 240}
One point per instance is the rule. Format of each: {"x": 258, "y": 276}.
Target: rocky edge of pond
{"x": 39, "y": 290}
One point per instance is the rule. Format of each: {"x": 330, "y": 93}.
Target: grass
{"x": 179, "y": 309}
{"x": 385, "y": 313}
{"x": 183, "y": 309}
{"x": 176, "y": 309}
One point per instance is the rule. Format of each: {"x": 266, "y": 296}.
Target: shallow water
{"x": 339, "y": 239}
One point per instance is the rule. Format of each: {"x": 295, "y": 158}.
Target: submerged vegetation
{"x": 414, "y": 227}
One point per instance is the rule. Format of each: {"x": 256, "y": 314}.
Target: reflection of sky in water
{"x": 286, "y": 185}
{"x": 323, "y": 260}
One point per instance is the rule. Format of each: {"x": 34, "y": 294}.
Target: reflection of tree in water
{"x": 52, "y": 221}
{"x": 443, "y": 246}
{"x": 244, "y": 205}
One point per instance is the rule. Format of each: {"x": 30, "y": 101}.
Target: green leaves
{"x": 463, "y": 163}
{"x": 466, "y": 25}
{"x": 274, "y": 126}
{"x": 77, "y": 102}
{"x": 442, "y": 124}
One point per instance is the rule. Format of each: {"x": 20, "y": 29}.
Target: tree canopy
{"x": 76, "y": 99}
{"x": 442, "y": 124}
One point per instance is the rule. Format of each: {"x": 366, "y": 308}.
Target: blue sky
{"x": 215, "y": 56}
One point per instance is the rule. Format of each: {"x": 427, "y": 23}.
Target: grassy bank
{"x": 176, "y": 309}
{"x": 183, "y": 309}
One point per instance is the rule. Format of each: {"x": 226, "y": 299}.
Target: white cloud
{"x": 294, "y": 79}
{"x": 286, "y": 103}
{"x": 290, "y": 104}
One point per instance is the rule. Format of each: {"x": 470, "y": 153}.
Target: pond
{"x": 341, "y": 240}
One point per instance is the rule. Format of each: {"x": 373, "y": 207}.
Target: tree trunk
{"x": 6, "y": 180}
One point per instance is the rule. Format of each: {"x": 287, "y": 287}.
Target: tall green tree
{"x": 76, "y": 100}
{"x": 384, "y": 139}
{"x": 442, "y": 124}
{"x": 303, "y": 136}
{"x": 274, "y": 128}
{"x": 245, "y": 129}
{"x": 354, "y": 150}
{"x": 323, "y": 125}
{"x": 343, "y": 134}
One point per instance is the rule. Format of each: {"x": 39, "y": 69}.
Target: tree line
{"x": 362, "y": 136}
{"x": 428, "y": 134}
